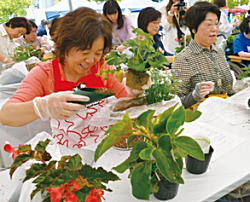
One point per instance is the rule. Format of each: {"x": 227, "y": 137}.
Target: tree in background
{"x": 235, "y": 3}
{"x": 13, "y": 8}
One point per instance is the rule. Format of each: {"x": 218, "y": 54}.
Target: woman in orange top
{"x": 81, "y": 38}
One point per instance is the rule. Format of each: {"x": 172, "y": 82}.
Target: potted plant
{"x": 196, "y": 166}
{"x": 64, "y": 180}
{"x": 157, "y": 159}
{"x": 138, "y": 56}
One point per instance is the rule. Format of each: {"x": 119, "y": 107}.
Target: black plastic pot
{"x": 167, "y": 190}
{"x": 196, "y": 166}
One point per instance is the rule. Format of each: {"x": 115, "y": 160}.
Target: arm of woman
{"x": 182, "y": 71}
{"x": 17, "y": 114}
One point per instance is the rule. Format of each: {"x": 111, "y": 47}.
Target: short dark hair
{"x": 197, "y": 13}
{"x": 19, "y": 22}
{"x": 244, "y": 26}
{"x": 79, "y": 29}
{"x": 111, "y": 7}
{"x": 220, "y": 3}
{"x": 146, "y": 16}
{"x": 33, "y": 24}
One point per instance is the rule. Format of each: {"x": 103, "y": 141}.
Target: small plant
{"x": 64, "y": 180}
{"x": 159, "y": 154}
{"x": 245, "y": 73}
{"x": 138, "y": 57}
{"x": 164, "y": 86}
{"x": 25, "y": 52}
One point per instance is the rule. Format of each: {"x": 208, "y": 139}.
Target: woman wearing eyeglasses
{"x": 202, "y": 66}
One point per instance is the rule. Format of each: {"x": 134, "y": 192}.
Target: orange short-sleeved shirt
{"x": 40, "y": 82}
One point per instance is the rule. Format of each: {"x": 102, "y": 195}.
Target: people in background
{"x": 201, "y": 65}
{"x": 82, "y": 38}
{"x": 10, "y": 30}
{"x": 42, "y": 28}
{"x": 121, "y": 25}
{"x": 38, "y": 42}
{"x": 225, "y": 28}
{"x": 241, "y": 44}
{"x": 174, "y": 26}
{"x": 149, "y": 21}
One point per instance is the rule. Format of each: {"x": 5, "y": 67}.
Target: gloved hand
{"x": 202, "y": 89}
{"x": 57, "y": 105}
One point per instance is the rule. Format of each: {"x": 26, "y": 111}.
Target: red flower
{"x": 75, "y": 185}
{"x": 56, "y": 193}
{"x": 95, "y": 195}
{"x": 8, "y": 148}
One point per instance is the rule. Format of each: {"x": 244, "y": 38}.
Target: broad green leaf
{"x": 146, "y": 153}
{"x": 191, "y": 115}
{"x": 41, "y": 146}
{"x": 190, "y": 146}
{"x": 167, "y": 166}
{"x": 82, "y": 193}
{"x": 35, "y": 170}
{"x": 97, "y": 174}
{"x": 134, "y": 155}
{"x": 161, "y": 120}
{"x": 74, "y": 163}
{"x": 175, "y": 120}
{"x": 145, "y": 119}
{"x": 122, "y": 129}
{"x": 21, "y": 159}
{"x": 24, "y": 148}
{"x": 164, "y": 142}
{"x": 140, "y": 180}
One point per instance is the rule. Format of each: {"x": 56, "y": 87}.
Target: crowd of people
{"x": 81, "y": 39}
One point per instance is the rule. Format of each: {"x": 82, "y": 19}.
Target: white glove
{"x": 57, "y": 105}
{"x": 202, "y": 89}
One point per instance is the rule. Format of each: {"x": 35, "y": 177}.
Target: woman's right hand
{"x": 202, "y": 89}
{"x": 58, "y": 106}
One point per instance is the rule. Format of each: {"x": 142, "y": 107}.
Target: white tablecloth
{"x": 227, "y": 171}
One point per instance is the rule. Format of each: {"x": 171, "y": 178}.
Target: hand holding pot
{"x": 57, "y": 105}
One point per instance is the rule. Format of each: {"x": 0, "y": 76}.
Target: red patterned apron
{"x": 76, "y": 132}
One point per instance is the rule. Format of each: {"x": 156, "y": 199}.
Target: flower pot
{"x": 167, "y": 190}
{"x": 196, "y": 166}
{"x": 135, "y": 79}
{"x": 122, "y": 145}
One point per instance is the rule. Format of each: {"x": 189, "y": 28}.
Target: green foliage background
{"x": 13, "y": 8}
{"x": 234, "y": 3}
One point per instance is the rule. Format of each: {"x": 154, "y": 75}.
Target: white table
{"x": 225, "y": 173}
{"x": 20, "y": 135}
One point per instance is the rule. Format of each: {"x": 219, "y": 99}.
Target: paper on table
{"x": 221, "y": 141}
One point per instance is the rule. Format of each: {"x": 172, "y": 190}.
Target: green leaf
{"x": 167, "y": 166}
{"x": 191, "y": 115}
{"x": 74, "y": 163}
{"x": 175, "y": 120}
{"x": 161, "y": 120}
{"x": 122, "y": 129}
{"x": 21, "y": 159}
{"x": 97, "y": 174}
{"x": 41, "y": 146}
{"x": 164, "y": 142}
{"x": 146, "y": 153}
{"x": 190, "y": 146}
{"x": 140, "y": 180}
{"x": 145, "y": 119}
{"x": 24, "y": 148}
{"x": 35, "y": 170}
{"x": 134, "y": 156}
